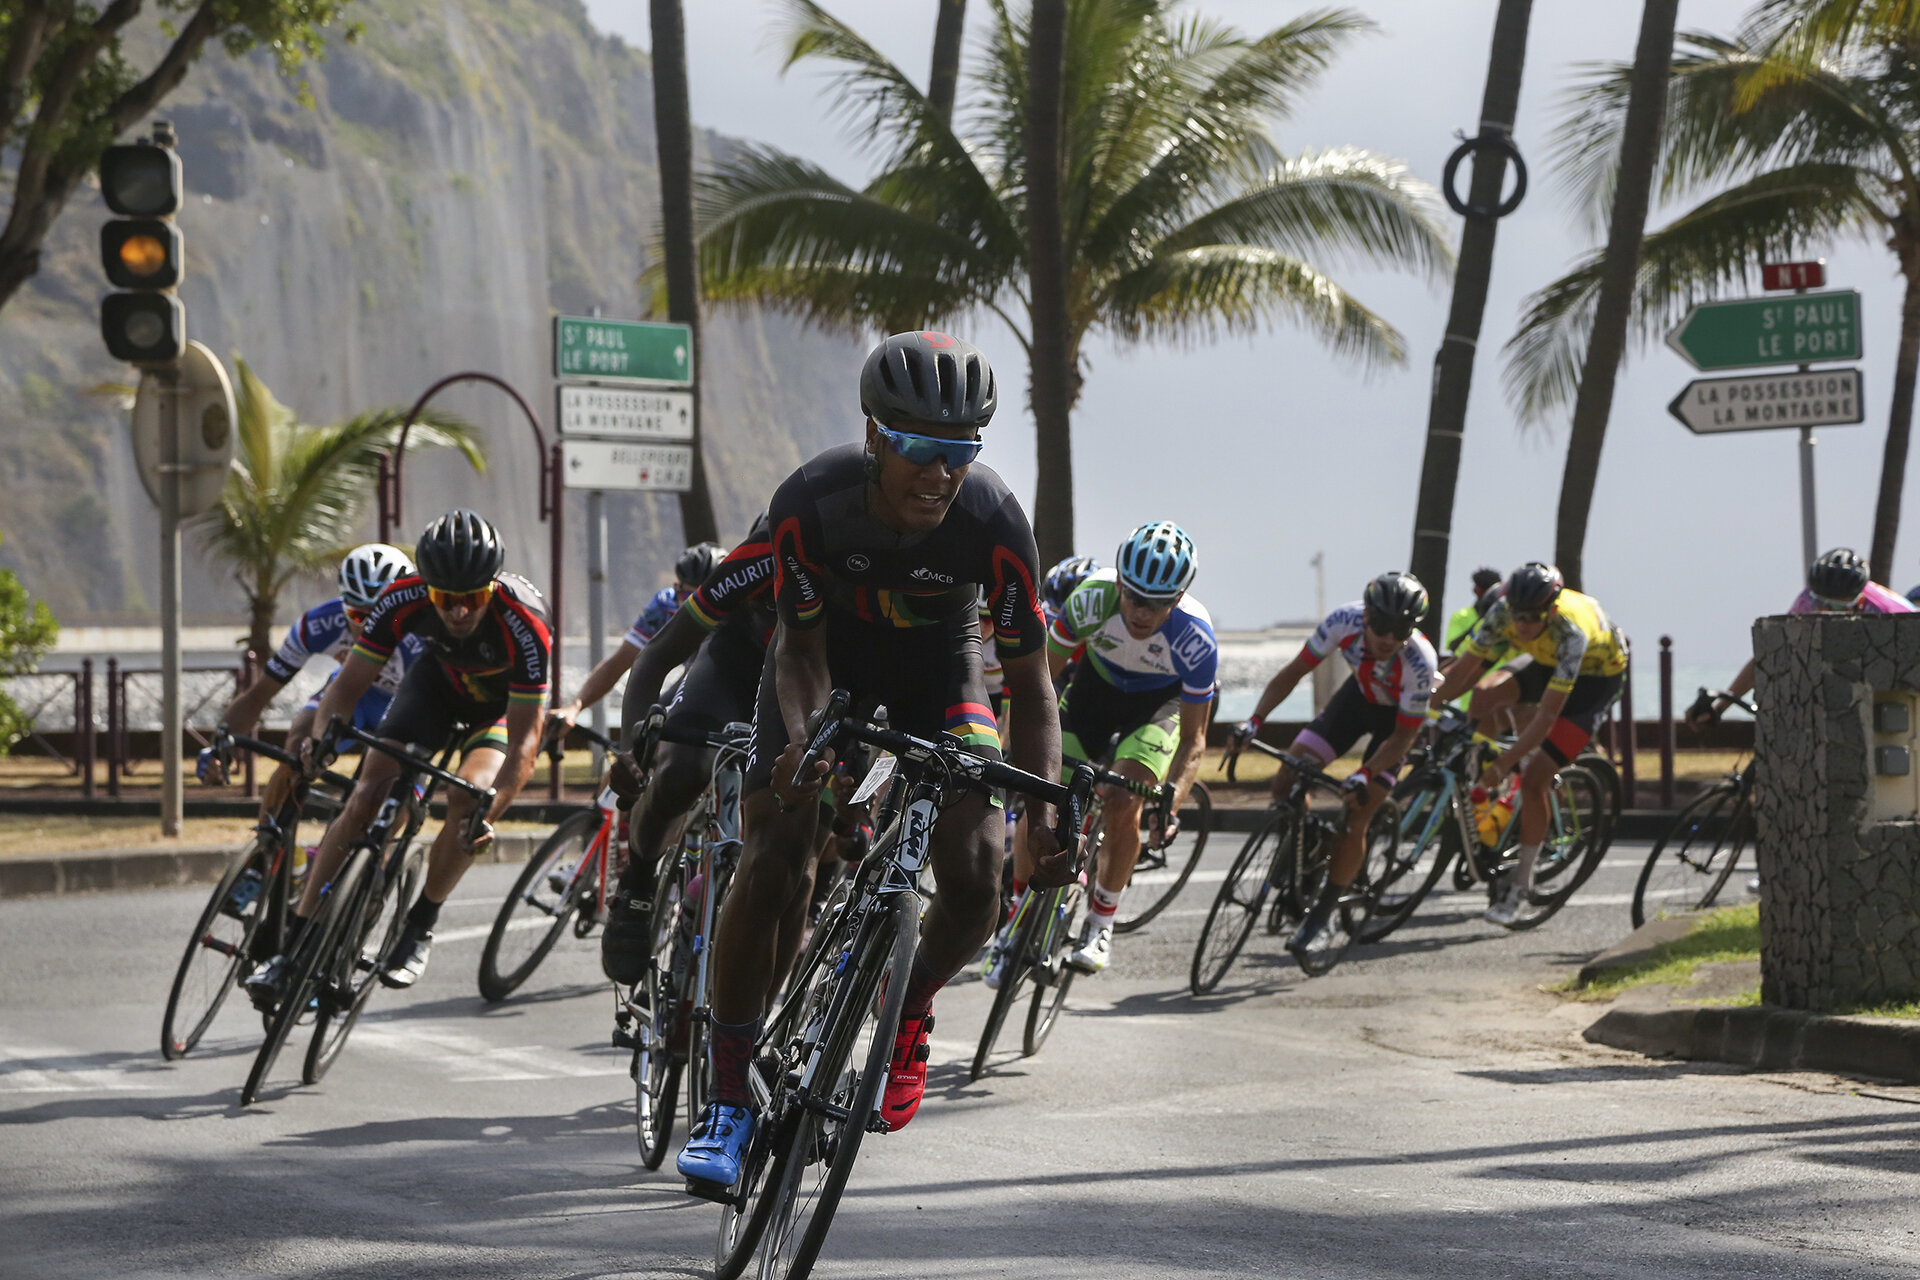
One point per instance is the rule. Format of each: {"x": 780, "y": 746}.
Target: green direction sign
{"x": 1793, "y": 329}
{"x": 622, "y": 351}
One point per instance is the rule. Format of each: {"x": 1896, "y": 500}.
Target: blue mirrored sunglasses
{"x": 924, "y": 451}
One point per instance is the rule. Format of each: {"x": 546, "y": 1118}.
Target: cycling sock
{"x": 922, "y": 986}
{"x": 1102, "y": 905}
{"x": 424, "y": 913}
{"x": 731, "y": 1052}
{"x": 1529, "y": 854}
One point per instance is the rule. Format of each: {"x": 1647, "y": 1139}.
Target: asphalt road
{"x": 1423, "y": 1111}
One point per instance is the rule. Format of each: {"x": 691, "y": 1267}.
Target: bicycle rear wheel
{"x": 1052, "y": 976}
{"x": 1014, "y": 973}
{"x": 1236, "y": 907}
{"x": 1611, "y": 790}
{"x": 542, "y": 903}
{"x": 858, "y": 1046}
{"x": 1330, "y": 947}
{"x": 345, "y": 985}
{"x": 1161, "y": 873}
{"x": 219, "y": 945}
{"x": 1575, "y": 831}
{"x": 1429, "y": 837}
{"x": 324, "y": 934}
{"x": 1691, "y": 863}
{"x": 658, "y": 1061}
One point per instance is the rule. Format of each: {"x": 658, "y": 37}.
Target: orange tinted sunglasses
{"x": 460, "y": 599}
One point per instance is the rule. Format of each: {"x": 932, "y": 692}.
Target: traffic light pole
{"x": 172, "y": 799}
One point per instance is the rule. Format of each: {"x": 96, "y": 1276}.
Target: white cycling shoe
{"x": 1095, "y": 950}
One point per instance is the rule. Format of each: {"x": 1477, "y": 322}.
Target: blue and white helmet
{"x": 1158, "y": 561}
{"x": 370, "y": 569}
{"x": 1064, "y": 577}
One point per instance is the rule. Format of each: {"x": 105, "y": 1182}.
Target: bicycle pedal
{"x": 715, "y": 1192}
{"x": 877, "y": 1124}
{"x": 624, "y": 1039}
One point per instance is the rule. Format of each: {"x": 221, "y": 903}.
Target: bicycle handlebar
{"x": 225, "y": 739}
{"x": 338, "y": 728}
{"x": 1306, "y": 769}
{"x": 1733, "y": 698}
{"x": 557, "y": 742}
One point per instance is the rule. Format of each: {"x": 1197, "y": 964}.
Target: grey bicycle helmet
{"x": 697, "y": 563}
{"x": 1395, "y": 601}
{"x": 459, "y": 552}
{"x": 928, "y": 377}
{"x": 1534, "y": 586}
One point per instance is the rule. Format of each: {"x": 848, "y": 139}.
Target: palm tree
{"x": 1607, "y": 337}
{"x": 1802, "y": 150}
{"x": 1180, "y": 217}
{"x": 296, "y": 493}
{"x": 943, "y": 81}
{"x": 673, "y": 141}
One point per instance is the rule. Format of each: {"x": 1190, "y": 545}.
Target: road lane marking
{"x": 37, "y": 1070}
{"x": 468, "y": 1059}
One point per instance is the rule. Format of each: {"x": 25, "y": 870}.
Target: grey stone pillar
{"x": 1837, "y": 804}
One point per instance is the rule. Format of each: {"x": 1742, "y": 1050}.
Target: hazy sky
{"x": 1268, "y": 451}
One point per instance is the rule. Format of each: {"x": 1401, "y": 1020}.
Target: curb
{"x": 1767, "y": 1037}
{"x": 240, "y": 807}
{"x": 88, "y": 872}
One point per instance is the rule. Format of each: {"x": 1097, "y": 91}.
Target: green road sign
{"x": 1742, "y": 334}
{"x": 622, "y": 351}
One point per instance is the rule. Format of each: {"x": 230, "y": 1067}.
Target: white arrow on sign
{"x": 1824, "y": 398}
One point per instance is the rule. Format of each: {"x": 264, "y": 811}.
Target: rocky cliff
{"x": 468, "y": 169}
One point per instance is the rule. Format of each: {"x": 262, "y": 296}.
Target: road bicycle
{"x": 565, "y": 883}
{"x": 1440, "y": 828}
{"x": 820, "y": 1064}
{"x": 664, "y": 1017}
{"x": 245, "y": 916}
{"x": 1690, "y": 866}
{"x": 1281, "y": 870}
{"x": 1161, "y": 871}
{"x": 335, "y": 965}
{"x": 1046, "y": 923}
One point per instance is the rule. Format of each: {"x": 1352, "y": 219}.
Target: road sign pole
{"x": 597, "y": 607}
{"x": 1809, "y": 537}
{"x": 172, "y": 800}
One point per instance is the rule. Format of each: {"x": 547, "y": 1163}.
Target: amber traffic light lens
{"x": 143, "y": 255}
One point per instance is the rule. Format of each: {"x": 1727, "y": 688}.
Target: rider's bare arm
{"x": 523, "y": 747}
{"x": 1386, "y": 757}
{"x": 357, "y": 675}
{"x": 599, "y": 682}
{"x": 1460, "y": 676}
{"x": 1186, "y": 757}
{"x": 672, "y": 645}
{"x": 1283, "y": 683}
{"x": 1536, "y": 731}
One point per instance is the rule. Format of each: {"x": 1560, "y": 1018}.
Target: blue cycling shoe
{"x": 717, "y": 1145}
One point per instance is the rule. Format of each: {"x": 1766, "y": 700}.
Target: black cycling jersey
{"x": 830, "y": 554}
{"x": 738, "y": 594}
{"x": 503, "y": 659}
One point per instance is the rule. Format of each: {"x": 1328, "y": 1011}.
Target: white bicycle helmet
{"x": 370, "y": 569}
{"x": 1158, "y": 561}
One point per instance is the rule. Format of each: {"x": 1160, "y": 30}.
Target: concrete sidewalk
{"x": 1685, "y": 1022}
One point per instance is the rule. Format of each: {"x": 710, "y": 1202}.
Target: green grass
{"x": 1731, "y": 933}
{"x": 1905, "y": 1009}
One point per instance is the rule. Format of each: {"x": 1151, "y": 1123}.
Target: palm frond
{"x": 1348, "y": 202}
{"x": 1215, "y": 133}
{"x": 1803, "y": 33}
{"x": 1708, "y": 251}
{"x": 1227, "y": 289}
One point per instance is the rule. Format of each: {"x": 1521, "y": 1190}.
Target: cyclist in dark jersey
{"x": 880, "y": 554}
{"x": 484, "y": 676}
{"x": 723, "y": 627}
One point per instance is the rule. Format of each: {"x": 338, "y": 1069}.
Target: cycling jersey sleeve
{"x": 317, "y": 630}
{"x": 1419, "y": 665}
{"x": 523, "y": 611}
{"x": 1569, "y": 651}
{"x": 655, "y": 616}
{"x": 745, "y": 575}
{"x": 1489, "y": 643}
{"x": 1334, "y": 630}
{"x": 1011, "y": 578}
{"x": 799, "y": 586}
{"x": 1196, "y": 654}
{"x": 388, "y": 621}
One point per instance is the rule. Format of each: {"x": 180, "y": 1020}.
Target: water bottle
{"x": 1486, "y": 816}
{"x": 244, "y": 891}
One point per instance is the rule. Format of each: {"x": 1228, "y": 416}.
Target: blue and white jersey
{"x": 1405, "y": 680}
{"x": 660, "y": 609}
{"x": 1183, "y": 651}
{"x": 322, "y": 631}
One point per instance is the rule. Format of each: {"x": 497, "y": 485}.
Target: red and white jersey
{"x": 1405, "y": 680}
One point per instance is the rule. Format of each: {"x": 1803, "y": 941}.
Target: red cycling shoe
{"x": 907, "y": 1073}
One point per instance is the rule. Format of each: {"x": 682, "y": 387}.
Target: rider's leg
{"x": 793, "y": 924}
{"x": 280, "y": 785}
{"x": 376, "y": 781}
{"x": 448, "y": 861}
{"x": 772, "y": 873}
{"x": 1350, "y": 852}
{"x": 680, "y": 774}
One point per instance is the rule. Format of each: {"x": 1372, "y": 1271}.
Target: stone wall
{"x": 1837, "y": 836}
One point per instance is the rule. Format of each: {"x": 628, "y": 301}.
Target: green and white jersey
{"x": 1183, "y": 651}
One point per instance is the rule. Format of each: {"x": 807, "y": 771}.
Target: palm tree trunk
{"x": 673, "y": 134}
{"x": 1051, "y": 374}
{"x": 1893, "y": 465}
{"x": 1607, "y": 344}
{"x": 1453, "y": 363}
{"x": 943, "y": 82}
{"x": 260, "y": 610}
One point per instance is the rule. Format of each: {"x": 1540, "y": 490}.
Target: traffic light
{"x": 142, "y": 251}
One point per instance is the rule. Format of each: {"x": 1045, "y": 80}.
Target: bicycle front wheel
{"x": 1429, "y": 837}
{"x": 1692, "y": 861}
{"x": 1161, "y": 873}
{"x": 1236, "y": 907}
{"x": 324, "y": 935}
{"x": 219, "y": 945}
{"x": 540, "y": 906}
{"x": 1574, "y": 844}
{"x": 858, "y": 1046}
{"x": 1014, "y": 972}
{"x": 344, "y": 987}
{"x": 1052, "y": 976}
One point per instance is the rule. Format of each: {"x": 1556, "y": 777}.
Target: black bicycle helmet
{"x": 928, "y": 377}
{"x": 1064, "y": 577}
{"x": 1840, "y": 574}
{"x": 697, "y": 563}
{"x": 1534, "y": 587}
{"x": 1485, "y": 578}
{"x": 1396, "y": 601}
{"x": 459, "y": 552}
